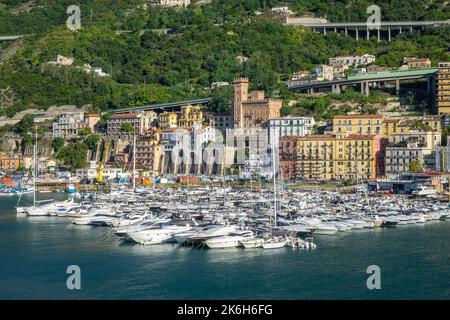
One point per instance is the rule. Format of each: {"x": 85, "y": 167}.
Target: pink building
{"x": 92, "y": 120}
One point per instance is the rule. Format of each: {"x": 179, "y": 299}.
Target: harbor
{"x": 36, "y": 251}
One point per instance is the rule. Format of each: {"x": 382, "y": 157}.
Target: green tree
{"x": 57, "y": 144}
{"x": 24, "y": 125}
{"x": 27, "y": 140}
{"x": 73, "y": 155}
{"x": 92, "y": 141}
{"x": 126, "y": 127}
{"x": 85, "y": 131}
{"x": 415, "y": 166}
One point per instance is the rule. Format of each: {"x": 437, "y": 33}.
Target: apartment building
{"x": 190, "y": 115}
{"x": 354, "y": 61}
{"x": 326, "y": 157}
{"x": 10, "y": 161}
{"x": 68, "y": 124}
{"x": 358, "y": 124}
{"x": 443, "y": 88}
{"x": 141, "y": 122}
{"x": 168, "y": 120}
{"x": 289, "y": 126}
{"x": 148, "y": 151}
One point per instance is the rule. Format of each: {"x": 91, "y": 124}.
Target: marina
{"x": 37, "y": 250}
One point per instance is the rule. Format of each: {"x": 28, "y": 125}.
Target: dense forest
{"x": 149, "y": 64}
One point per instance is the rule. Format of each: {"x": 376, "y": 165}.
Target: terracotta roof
{"x": 92, "y": 115}
{"x": 125, "y": 115}
{"x": 360, "y": 136}
{"x": 360, "y": 116}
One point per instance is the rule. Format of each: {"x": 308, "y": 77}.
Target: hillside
{"x": 152, "y": 66}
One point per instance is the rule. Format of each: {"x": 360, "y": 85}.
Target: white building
{"x": 67, "y": 125}
{"x": 174, "y": 3}
{"x": 284, "y": 10}
{"x": 289, "y": 126}
{"x": 324, "y": 73}
{"x": 352, "y": 60}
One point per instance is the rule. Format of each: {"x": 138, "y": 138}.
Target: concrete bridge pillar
{"x": 324, "y": 31}
{"x": 389, "y": 34}
{"x": 378, "y": 34}
{"x": 397, "y": 86}
{"x": 367, "y": 89}
{"x": 368, "y": 34}
{"x": 400, "y": 30}
{"x": 335, "y": 29}
{"x": 346, "y": 31}
{"x": 357, "y": 34}
{"x": 336, "y": 88}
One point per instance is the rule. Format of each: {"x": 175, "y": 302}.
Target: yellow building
{"x": 325, "y": 157}
{"x": 9, "y": 161}
{"x": 443, "y": 88}
{"x": 358, "y": 124}
{"x": 430, "y": 123}
{"x": 168, "y": 120}
{"x": 190, "y": 115}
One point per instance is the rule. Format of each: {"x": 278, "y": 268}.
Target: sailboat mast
{"x": 35, "y": 167}
{"x": 274, "y": 185}
{"x": 134, "y": 161}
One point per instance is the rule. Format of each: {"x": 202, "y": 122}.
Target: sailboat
{"x": 33, "y": 210}
{"x": 274, "y": 242}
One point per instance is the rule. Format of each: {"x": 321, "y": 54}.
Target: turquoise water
{"x": 35, "y": 253}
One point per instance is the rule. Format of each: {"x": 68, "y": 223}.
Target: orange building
{"x": 9, "y": 161}
{"x": 252, "y": 109}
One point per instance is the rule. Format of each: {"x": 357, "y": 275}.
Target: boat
{"x": 424, "y": 191}
{"x": 158, "y": 234}
{"x": 252, "y": 243}
{"x": 274, "y": 243}
{"x": 230, "y": 241}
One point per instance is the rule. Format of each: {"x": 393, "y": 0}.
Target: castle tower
{"x": 240, "y": 86}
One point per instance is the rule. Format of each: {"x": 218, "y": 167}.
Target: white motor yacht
{"x": 157, "y": 234}
{"x": 230, "y": 241}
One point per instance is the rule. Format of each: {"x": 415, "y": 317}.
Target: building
{"x": 289, "y": 126}
{"x": 220, "y": 121}
{"x": 323, "y": 72}
{"x": 443, "y": 88}
{"x": 442, "y": 154}
{"x": 148, "y": 151}
{"x": 168, "y": 120}
{"x": 429, "y": 139}
{"x": 354, "y": 61}
{"x": 413, "y": 63}
{"x": 326, "y": 157}
{"x": 174, "y": 3}
{"x": 301, "y": 75}
{"x": 358, "y": 124}
{"x": 141, "y": 122}
{"x": 408, "y": 146}
{"x": 375, "y": 68}
{"x": 190, "y": 115}
{"x": 252, "y": 109}
{"x": 92, "y": 120}
{"x": 339, "y": 72}
{"x": 68, "y": 124}
{"x": 405, "y": 124}
{"x": 283, "y": 10}
{"x": 10, "y": 161}
{"x": 62, "y": 61}
{"x": 400, "y": 155}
